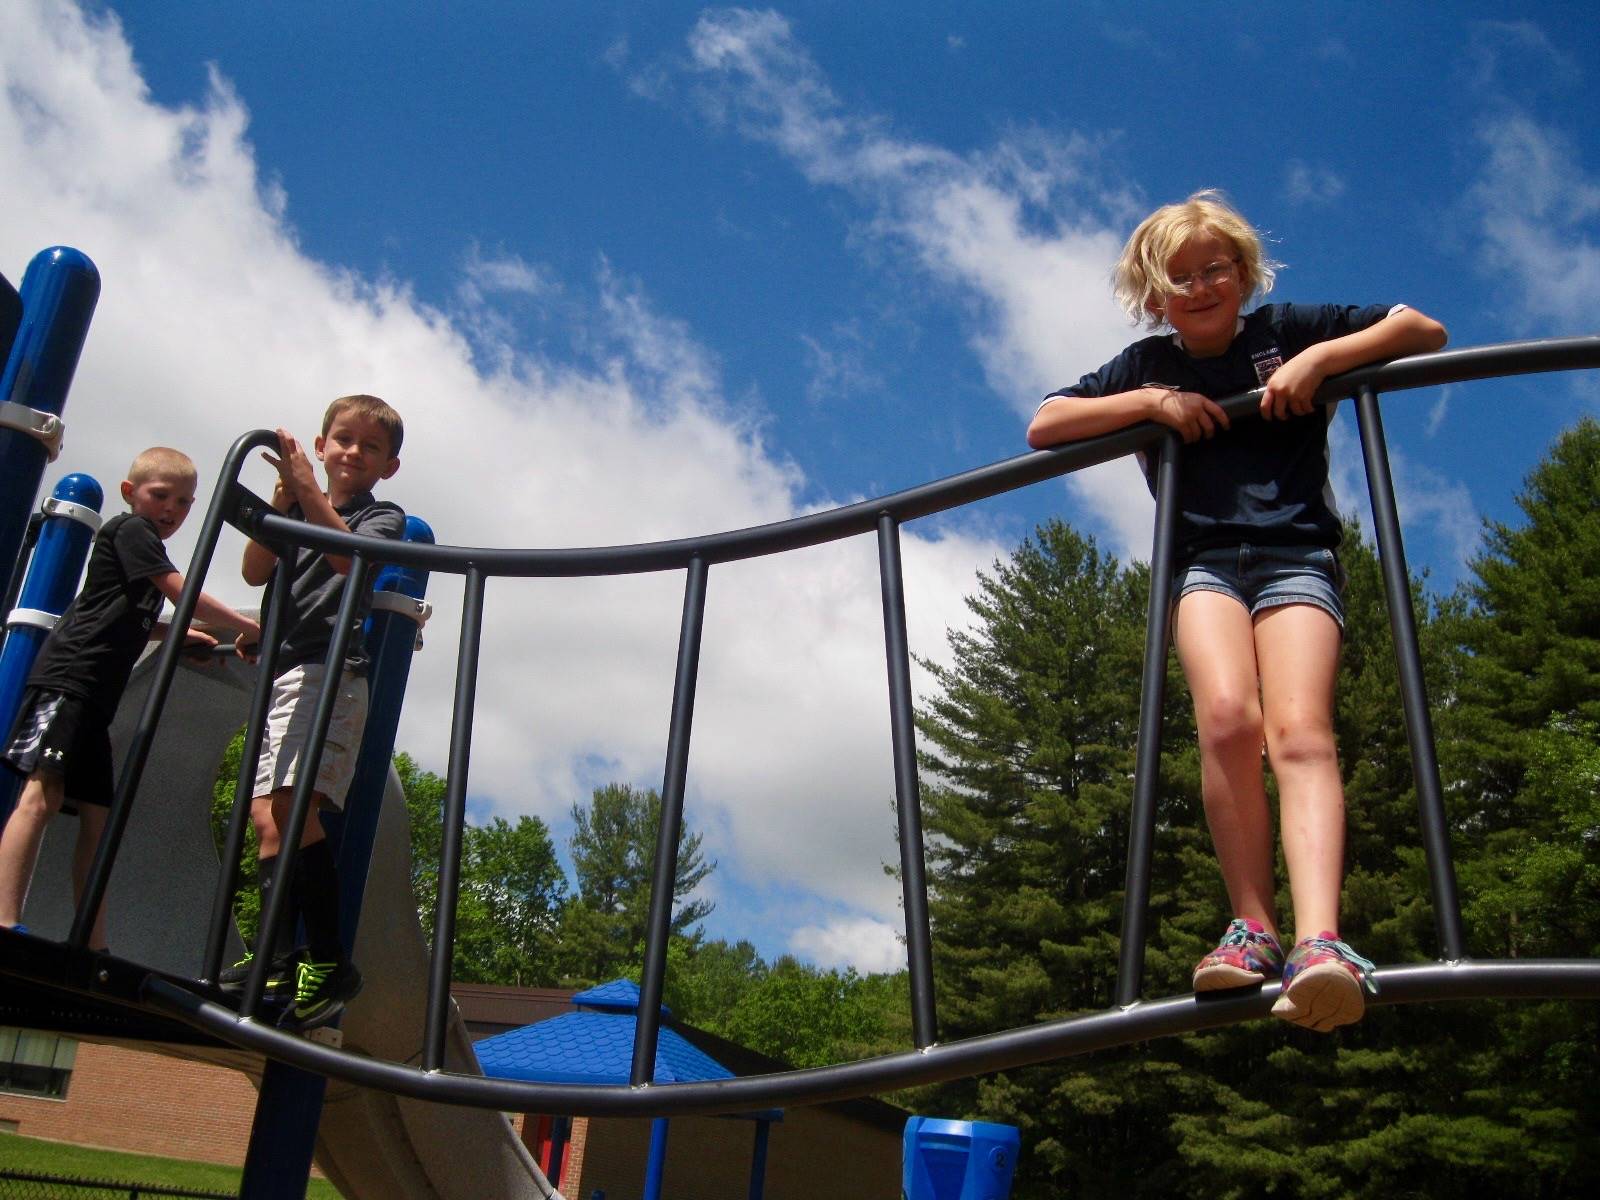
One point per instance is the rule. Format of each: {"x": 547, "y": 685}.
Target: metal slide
{"x": 371, "y": 1144}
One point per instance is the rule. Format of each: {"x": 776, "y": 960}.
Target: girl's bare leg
{"x": 1217, "y": 648}
{"x": 1298, "y": 650}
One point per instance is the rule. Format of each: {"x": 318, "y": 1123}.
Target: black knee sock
{"x": 283, "y": 945}
{"x": 318, "y": 885}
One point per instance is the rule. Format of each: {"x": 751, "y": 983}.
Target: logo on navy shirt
{"x": 1266, "y": 362}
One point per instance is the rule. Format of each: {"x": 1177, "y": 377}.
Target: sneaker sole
{"x": 1322, "y": 998}
{"x": 1222, "y": 977}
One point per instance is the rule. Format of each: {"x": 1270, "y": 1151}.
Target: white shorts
{"x": 289, "y": 717}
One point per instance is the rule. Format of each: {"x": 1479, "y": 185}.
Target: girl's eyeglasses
{"x": 1212, "y": 275}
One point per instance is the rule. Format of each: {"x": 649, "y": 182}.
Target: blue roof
{"x": 620, "y": 995}
{"x": 590, "y": 1047}
{"x": 593, "y": 1045}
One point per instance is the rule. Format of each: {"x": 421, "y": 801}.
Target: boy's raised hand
{"x": 296, "y": 476}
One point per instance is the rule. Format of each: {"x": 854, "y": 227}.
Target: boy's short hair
{"x": 372, "y": 408}
{"x": 162, "y": 462}
{"x": 1141, "y": 275}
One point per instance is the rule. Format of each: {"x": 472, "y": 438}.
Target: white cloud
{"x": 838, "y": 365}
{"x": 1311, "y": 183}
{"x": 1515, "y": 54}
{"x": 1026, "y": 231}
{"x": 1537, "y": 212}
{"x": 213, "y": 321}
{"x": 1424, "y": 498}
{"x": 1439, "y": 410}
{"x": 506, "y": 274}
{"x": 867, "y": 945}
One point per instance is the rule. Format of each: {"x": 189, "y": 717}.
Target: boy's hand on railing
{"x": 248, "y": 644}
{"x": 198, "y": 645}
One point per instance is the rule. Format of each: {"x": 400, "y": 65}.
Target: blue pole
{"x": 283, "y": 1137}
{"x": 656, "y": 1167}
{"x": 59, "y": 291}
{"x": 393, "y": 634}
{"x": 758, "y": 1159}
{"x": 71, "y": 517}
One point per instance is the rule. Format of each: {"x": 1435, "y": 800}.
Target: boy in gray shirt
{"x": 358, "y": 447}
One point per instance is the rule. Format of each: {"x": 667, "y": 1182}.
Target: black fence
{"x": 25, "y": 1185}
{"x": 1132, "y": 1019}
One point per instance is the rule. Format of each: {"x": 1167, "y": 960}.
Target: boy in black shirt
{"x": 358, "y": 446}
{"x": 61, "y": 740}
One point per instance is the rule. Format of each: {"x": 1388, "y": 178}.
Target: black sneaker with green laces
{"x": 321, "y": 992}
{"x": 280, "y": 978}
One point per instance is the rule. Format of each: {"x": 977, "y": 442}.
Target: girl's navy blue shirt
{"x": 1262, "y": 482}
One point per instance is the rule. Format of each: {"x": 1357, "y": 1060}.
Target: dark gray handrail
{"x": 1523, "y": 979}
{"x": 941, "y": 495}
{"x": 1131, "y": 1020}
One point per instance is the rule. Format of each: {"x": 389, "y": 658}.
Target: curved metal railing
{"x": 1128, "y": 1021}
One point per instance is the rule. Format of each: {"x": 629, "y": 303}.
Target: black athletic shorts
{"x": 65, "y": 735}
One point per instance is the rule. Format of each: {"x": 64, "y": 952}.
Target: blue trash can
{"x": 958, "y": 1160}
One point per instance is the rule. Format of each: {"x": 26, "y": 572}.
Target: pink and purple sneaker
{"x": 1246, "y": 956}
{"x": 1324, "y": 984}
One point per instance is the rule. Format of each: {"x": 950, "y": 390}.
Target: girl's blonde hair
{"x": 1142, "y": 284}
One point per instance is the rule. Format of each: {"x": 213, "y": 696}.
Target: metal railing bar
{"x": 1413, "y": 688}
{"x": 907, "y": 790}
{"x": 646, "y": 1029}
{"x": 1427, "y": 370}
{"x": 244, "y": 786}
{"x": 454, "y": 822}
{"x": 1552, "y": 979}
{"x": 166, "y": 667}
{"x": 1147, "y": 757}
{"x": 276, "y": 908}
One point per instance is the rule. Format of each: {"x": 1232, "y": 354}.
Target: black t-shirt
{"x": 1264, "y": 482}
{"x": 92, "y": 649}
{"x": 316, "y": 589}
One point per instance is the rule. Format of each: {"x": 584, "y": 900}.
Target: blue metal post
{"x": 59, "y": 291}
{"x": 283, "y": 1137}
{"x": 656, "y": 1166}
{"x": 393, "y": 635}
{"x": 758, "y": 1159}
{"x": 71, "y": 517}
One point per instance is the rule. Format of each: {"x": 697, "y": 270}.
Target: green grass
{"x": 18, "y": 1153}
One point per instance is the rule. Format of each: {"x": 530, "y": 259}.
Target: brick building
{"x": 128, "y": 1097}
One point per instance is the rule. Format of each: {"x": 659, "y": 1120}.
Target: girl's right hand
{"x": 1194, "y": 416}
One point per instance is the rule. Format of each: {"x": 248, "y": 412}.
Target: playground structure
{"x": 69, "y": 973}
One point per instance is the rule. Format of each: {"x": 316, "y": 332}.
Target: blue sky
{"x": 637, "y": 272}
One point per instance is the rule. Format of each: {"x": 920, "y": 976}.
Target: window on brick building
{"x": 35, "y": 1064}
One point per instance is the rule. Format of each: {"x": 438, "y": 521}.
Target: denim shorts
{"x": 1262, "y": 577}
